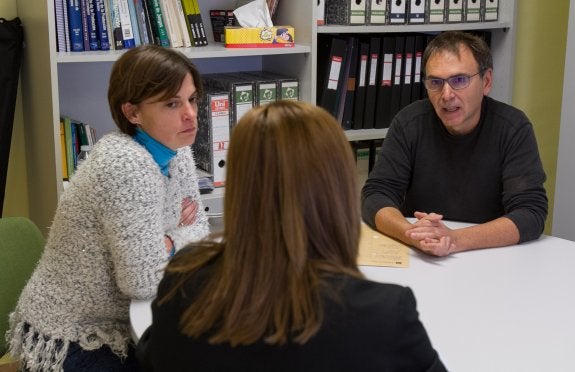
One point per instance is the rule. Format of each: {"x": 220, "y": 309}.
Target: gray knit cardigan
{"x": 105, "y": 247}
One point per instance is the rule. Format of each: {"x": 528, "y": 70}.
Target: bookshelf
{"x": 75, "y": 84}
{"x": 502, "y": 44}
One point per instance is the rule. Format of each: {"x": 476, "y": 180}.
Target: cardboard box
{"x": 260, "y": 37}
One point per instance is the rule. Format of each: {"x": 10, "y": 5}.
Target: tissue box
{"x": 259, "y": 37}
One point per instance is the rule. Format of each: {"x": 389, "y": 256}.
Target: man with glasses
{"x": 457, "y": 155}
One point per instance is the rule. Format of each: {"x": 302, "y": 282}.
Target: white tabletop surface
{"x": 502, "y": 309}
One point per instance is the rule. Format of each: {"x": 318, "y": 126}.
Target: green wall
{"x": 538, "y": 78}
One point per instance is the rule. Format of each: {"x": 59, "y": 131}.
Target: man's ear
{"x": 487, "y": 81}
{"x": 131, "y": 112}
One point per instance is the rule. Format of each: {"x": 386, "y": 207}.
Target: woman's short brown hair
{"x": 144, "y": 72}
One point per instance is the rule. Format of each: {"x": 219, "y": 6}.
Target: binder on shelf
{"x": 472, "y": 11}
{"x": 384, "y": 88}
{"x": 357, "y": 12}
{"x": 212, "y": 141}
{"x": 417, "y": 87}
{"x": 377, "y": 12}
{"x": 345, "y": 12}
{"x": 241, "y": 92}
{"x": 332, "y": 52}
{"x": 266, "y": 88}
{"x": 397, "y": 12}
{"x": 218, "y": 19}
{"x": 436, "y": 9}
{"x": 371, "y": 86}
{"x": 454, "y": 11}
{"x": 395, "y": 102}
{"x": 407, "y": 71}
{"x": 348, "y": 102}
{"x": 288, "y": 86}
{"x": 361, "y": 84}
{"x": 490, "y": 10}
{"x": 320, "y": 12}
{"x": 416, "y": 11}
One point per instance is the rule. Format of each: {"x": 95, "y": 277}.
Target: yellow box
{"x": 259, "y": 37}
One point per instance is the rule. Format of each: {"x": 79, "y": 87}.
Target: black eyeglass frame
{"x": 450, "y": 80}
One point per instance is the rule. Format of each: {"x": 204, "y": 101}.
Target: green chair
{"x": 21, "y": 244}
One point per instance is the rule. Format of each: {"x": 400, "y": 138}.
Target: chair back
{"x": 21, "y": 245}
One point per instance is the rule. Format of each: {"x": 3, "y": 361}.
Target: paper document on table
{"x": 376, "y": 249}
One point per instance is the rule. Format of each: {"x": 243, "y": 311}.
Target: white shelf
{"x": 426, "y": 27}
{"x": 208, "y": 51}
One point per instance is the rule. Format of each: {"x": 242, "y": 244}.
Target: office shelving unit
{"x": 75, "y": 84}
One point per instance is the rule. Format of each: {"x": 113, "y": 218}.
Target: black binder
{"x": 395, "y": 102}
{"x": 11, "y": 44}
{"x": 384, "y": 89}
{"x": 353, "y": 53}
{"x": 360, "y": 84}
{"x": 417, "y": 87}
{"x": 407, "y": 71}
{"x": 371, "y": 90}
{"x": 332, "y": 55}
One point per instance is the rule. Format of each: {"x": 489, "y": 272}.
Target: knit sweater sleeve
{"x": 131, "y": 194}
{"x": 184, "y": 177}
{"x": 524, "y": 198}
{"x": 390, "y": 177}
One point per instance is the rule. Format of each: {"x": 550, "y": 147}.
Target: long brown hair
{"x": 291, "y": 217}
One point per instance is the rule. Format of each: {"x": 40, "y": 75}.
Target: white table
{"x": 503, "y": 309}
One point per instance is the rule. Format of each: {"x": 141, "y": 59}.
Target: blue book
{"x": 75, "y": 25}
{"x": 126, "y": 22}
{"x": 101, "y": 25}
{"x": 134, "y": 21}
{"x": 90, "y": 24}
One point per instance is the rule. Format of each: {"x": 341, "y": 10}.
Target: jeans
{"x": 100, "y": 360}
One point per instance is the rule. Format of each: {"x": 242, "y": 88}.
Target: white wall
{"x": 564, "y": 210}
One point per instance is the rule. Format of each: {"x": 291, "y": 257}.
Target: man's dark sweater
{"x": 493, "y": 171}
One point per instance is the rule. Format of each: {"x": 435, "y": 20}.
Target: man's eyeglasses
{"x": 455, "y": 82}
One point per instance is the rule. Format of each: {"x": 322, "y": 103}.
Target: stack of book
{"x": 73, "y": 135}
{"x": 85, "y": 25}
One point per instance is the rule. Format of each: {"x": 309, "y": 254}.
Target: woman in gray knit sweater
{"x": 127, "y": 208}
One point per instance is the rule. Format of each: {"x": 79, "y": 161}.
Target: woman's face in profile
{"x": 174, "y": 121}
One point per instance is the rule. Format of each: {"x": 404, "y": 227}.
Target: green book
{"x": 160, "y": 34}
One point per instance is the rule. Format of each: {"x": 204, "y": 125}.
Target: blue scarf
{"x": 161, "y": 154}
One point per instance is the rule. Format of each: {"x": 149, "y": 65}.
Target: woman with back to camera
{"x": 130, "y": 204}
{"x": 281, "y": 291}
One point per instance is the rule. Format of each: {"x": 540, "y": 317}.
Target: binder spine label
{"x": 362, "y": 70}
{"x": 387, "y": 69}
{"x": 334, "y": 70}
